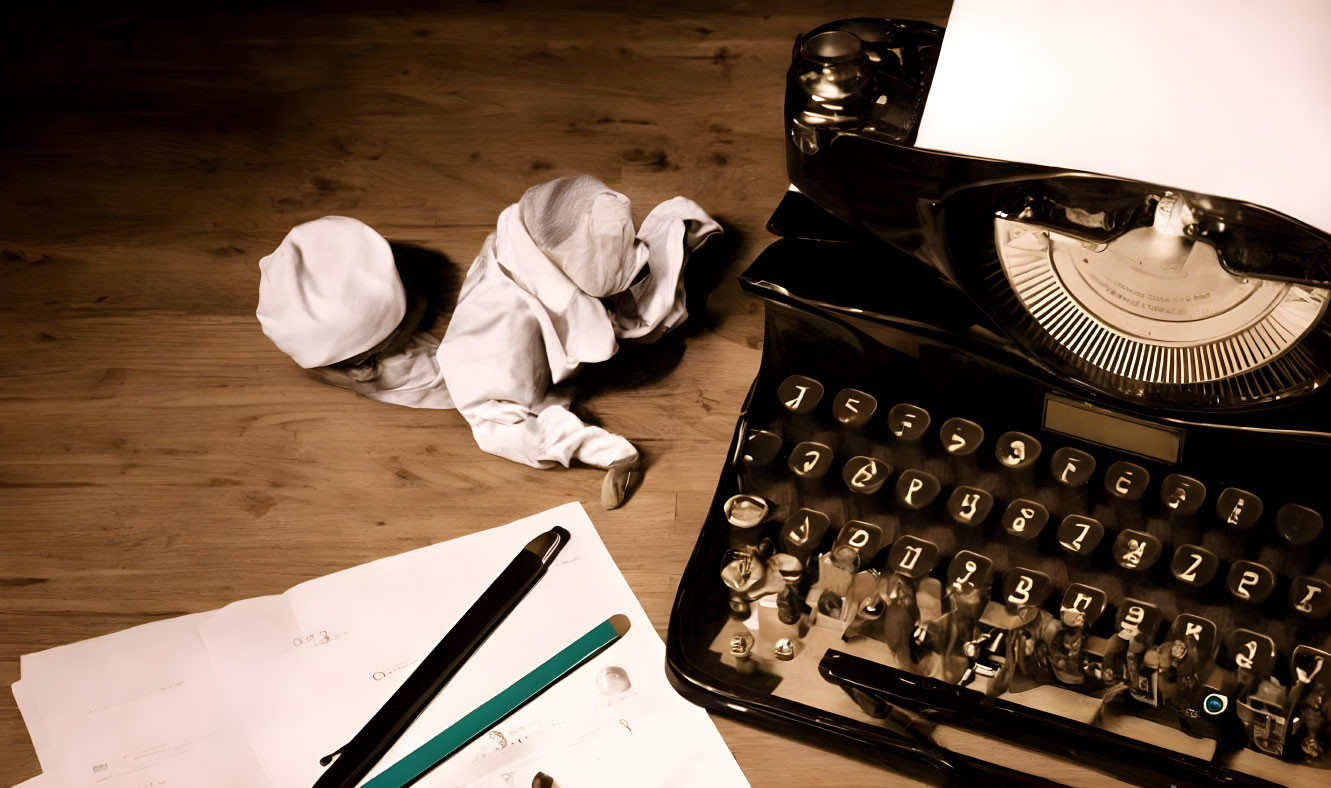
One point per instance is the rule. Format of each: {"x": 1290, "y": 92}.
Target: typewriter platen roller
{"x": 1032, "y": 452}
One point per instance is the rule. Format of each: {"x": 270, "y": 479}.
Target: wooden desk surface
{"x": 160, "y": 456}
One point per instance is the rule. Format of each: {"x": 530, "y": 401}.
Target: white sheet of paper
{"x": 364, "y": 630}
{"x": 117, "y": 710}
{"x": 1217, "y": 96}
{"x": 301, "y": 672}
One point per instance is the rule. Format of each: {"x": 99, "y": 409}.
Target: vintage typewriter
{"x": 1035, "y": 453}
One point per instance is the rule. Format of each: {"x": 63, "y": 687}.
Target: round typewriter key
{"x": 912, "y": 556}
{"x": 803, "y": 532}
{"x": 917, "y": 489}
{"x": 853, "y": 407}
{"x": 1238, "y": 508}
{"x": 1136, "y": 550}
{"x": 970, "y": 570}
{"x": 1250, "y": 581}
{"x": 1194, "y": 565}
{"x": 1298, "y": 524}
{"x": 1025, "y": 518}
{"x": 746, "y": 514}
{"x": 969, "y": 505}
{"x": 745, "y": 511}
{"x": 799, "y": 394}
{"x": 743, "y": 574}
{"x": 1072, "y": 467}
{"x": 760, "y": 447}
{"x": 1201, "y": 631}
{"x": 1022, "y": 587}
{"x": 1126, "y": 481}
{"x": 908, "y": 422}
{"x": 1215, "y": 703}
{"x": 1017, "y": 450}
{"x": 862, "y": 539}
{"x": 784, "y": 649}
{"x": 1310, "y": 597}
{"x": 1088, "y": 600}
{"x": 961, "y": 437}
{"x": 1182, "y": 495}
{"x": 1135, "y": 616}
{"x": 865, "y": 474}
{"x": 1080, "y": 535}
{"x": 1309, "y": 665}
{"x": 810, "y": 460}
{"x": 1251, "y": 651}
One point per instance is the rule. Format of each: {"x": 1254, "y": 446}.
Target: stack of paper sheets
{"x": 255, "y": 693}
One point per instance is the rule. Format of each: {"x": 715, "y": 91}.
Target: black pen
{"x": 355, "y": 759}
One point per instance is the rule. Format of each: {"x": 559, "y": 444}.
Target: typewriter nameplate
{"x": 1116, "y": 431}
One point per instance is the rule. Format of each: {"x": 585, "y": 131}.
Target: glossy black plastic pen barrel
{"x": 354, "y": 760}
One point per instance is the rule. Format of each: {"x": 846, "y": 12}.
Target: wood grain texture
{"x": 159, "y": 456}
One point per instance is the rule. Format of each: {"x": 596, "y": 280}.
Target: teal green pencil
{"x": 498, "y": 708}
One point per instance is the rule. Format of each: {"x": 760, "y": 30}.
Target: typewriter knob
{"x": 741, "y": 644}
{"x": 833, "y": 66}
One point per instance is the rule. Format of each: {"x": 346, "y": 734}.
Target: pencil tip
{"x": 620, "y": 622}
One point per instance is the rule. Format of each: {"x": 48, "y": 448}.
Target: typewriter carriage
{"x": 1126, "y": 322}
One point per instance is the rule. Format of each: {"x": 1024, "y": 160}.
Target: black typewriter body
{"x": 938, "y": 512}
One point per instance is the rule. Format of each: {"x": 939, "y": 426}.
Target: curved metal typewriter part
{"x": 1155, "y": 307}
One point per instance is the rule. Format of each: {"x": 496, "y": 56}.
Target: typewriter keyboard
{"x": 1140, "y": 597}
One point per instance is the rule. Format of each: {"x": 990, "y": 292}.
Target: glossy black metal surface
{"x": 886, "y": 291}
{"x": 929, "y": 345}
